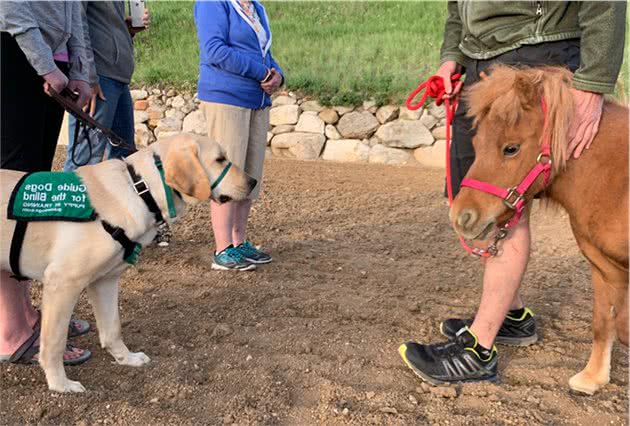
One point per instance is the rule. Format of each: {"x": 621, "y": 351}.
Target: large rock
{"x": 175, "y": 113}
{"x": 195, "y": 122}
{"x": 357, "y": 125}
{"x": 309, "y": 122}
{"x": 342, "y": 110}
{"x": 439, "y": 132}
{"x": 311, "y": 106}
{"x": 168, "y": 124}
{"x": 286, "y": 114}
{"x": 438, "y": 112}
{"x": 137, "y": 95}
{"x": 380, "y": 154}
{"x": 428, "y": 120}
{"x": 346, "y": 150}
{"x": 178, "y": 101}
{"x": 407, "y": 114}
{"x": 370, "y": 106}
{"x": 140, "y": 117}
{"x": 143, "y": 136}
{"x": 141, "y": 105}
{"x": 284, "y": 128}
{"x": 283, "y": 100}
{"x": 432, "y": 156}
{"x": 404, "y": 134}
{"x": 329, "y": 115}
{"x": 331, "y": 132}
{"x": 303, "y": 146}
{"x": 386, "y": 113}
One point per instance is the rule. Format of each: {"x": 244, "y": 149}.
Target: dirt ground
{"x": 364, "y": 260}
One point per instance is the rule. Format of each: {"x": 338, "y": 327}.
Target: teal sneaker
{"x": 231, "y": 259}
{"x": 252, "y": 254}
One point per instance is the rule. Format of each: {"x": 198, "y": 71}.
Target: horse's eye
{"x": 221, "y": 159}
{"x": 511, "y": 150}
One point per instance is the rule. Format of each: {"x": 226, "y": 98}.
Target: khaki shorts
{"x": 242, "y": 132}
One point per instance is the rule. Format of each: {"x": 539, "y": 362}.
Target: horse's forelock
{"x": 507, "y": 93}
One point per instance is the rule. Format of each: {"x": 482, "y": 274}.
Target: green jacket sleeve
{"x": 602, "y": 25}
{"x": 452, "y": 36}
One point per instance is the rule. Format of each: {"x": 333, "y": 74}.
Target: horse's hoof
{"x": 135, "y": 359}
{"x": 584, "y": 383}
{"x": 69, "y": 386}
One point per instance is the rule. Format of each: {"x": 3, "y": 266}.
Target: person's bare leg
{"x": 222, "y": 223}
{"x": 14, "y": 326}
{"x": 18, "y": 316}
{"x": 502, "y": 278}
{"x": 239, "y": 227}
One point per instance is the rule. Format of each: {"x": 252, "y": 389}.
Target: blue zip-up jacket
{"x": 232, "y": 64}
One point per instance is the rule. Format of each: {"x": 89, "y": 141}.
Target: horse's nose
{"x": 467, "y": 218}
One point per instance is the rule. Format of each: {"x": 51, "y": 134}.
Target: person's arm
{"x": 212, "y": 30}
{"x": 602, "y": 24}
{"x": 80, "y": 52}
{"x": 452, "y": 36}
{"x": 17, "y": 19}
{"x": 601, "y": 53}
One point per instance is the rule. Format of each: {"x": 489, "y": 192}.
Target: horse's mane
{"x": 507, "y": 93}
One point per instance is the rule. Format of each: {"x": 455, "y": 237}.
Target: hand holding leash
{"x": 447, "y": 70}
{"x": 55, "y": 79}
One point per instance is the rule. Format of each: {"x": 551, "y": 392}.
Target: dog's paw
{"x": 135, "y": 359}
{"x": 69, "y": 386}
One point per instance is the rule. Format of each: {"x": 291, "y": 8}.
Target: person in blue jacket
{"x": 236, "y": 78}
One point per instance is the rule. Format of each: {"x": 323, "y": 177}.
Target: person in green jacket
{"x": 586, "y": 37}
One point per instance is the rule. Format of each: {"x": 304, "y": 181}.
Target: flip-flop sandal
{"x": 25, "y": 353}
{"x": 76, "y": 327}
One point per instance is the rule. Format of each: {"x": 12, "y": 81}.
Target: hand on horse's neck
{"x": 605, "y": 162}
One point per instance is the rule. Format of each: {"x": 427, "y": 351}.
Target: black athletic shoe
{"x": 460, "y": 360}
{"x": 516, "y": 330}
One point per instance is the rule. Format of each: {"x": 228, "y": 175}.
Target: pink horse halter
{"x": 514, "y": 197}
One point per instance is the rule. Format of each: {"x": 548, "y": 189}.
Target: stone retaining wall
{"x": 303, "y": 129}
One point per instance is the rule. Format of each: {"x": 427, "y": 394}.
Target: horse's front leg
{"x": 103, "y": 296}
{"x": 597, "y": 372}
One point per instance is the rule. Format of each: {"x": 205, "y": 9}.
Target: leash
{"x": 67, "y": 99}
{"x": 513, "y": 198}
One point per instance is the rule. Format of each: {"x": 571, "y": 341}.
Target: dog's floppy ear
{"x": 184, "y": 172}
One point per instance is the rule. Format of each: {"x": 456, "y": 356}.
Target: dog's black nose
{"x": 224, "y": 198}
{"x": 252, "y": 183}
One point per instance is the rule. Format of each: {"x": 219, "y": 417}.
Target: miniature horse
{"x": 518, "y": 113}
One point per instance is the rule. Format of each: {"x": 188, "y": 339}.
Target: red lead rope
{"x": 514, "y": 198}
{"x": 434, "y": 88}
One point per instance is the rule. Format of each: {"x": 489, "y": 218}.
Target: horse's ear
{"x": 526, "y": 90}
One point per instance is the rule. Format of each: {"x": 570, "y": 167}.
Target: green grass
{"x": 341, "y": 52}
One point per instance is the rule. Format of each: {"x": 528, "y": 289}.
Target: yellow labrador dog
{"x": 71, "y": 256}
